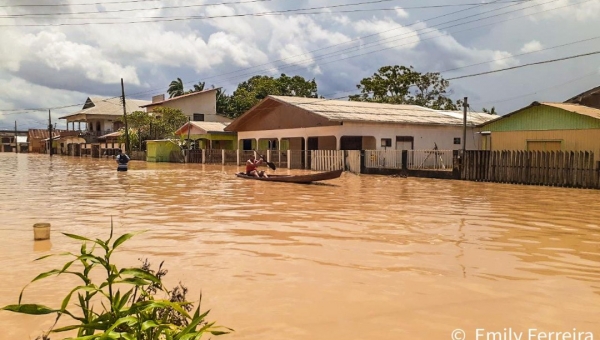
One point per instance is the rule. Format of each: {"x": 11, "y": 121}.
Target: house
{"x": 163, "y": 151}
{"x": 208, "y": 135}
{"x": 101, "y": 116}
{"x": 197, "y": 106}
{"x": 295, "y": 123}
{"x": 545, "y": 127}
{"x": 36, "y": 139}
{"x": 589, "y": 98}
{"x": 10, "y": 139}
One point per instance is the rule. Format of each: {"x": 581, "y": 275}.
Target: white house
{"x": 198, "y": 106}
{"x": 295, "y": 123}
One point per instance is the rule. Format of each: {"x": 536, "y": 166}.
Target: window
{"x": 198, "y": 117}
{"x": 457, "y": 140}
{"x": 386, "y": 142}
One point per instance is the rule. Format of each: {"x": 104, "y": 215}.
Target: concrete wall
{"x": 425, "y": 136}
{"x": 204, "y": 103}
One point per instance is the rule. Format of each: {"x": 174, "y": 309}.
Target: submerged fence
{"x": 550, "y": 168}
{"x": 415, "y": 159}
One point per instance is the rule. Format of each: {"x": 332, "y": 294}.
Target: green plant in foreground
{"x": 133, "y": 315}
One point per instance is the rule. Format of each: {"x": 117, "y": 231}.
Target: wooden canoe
{"x": 322, "y": 176}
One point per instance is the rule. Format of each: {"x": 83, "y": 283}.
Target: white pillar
{"x": 223, "y": 156}
{"x": 338, "y": 142}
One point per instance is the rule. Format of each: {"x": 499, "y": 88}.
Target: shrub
{"x": 135, "y": 314}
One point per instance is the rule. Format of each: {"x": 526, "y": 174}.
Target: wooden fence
{"x": 327, "y": 160}
{"x": 550, "y": 168}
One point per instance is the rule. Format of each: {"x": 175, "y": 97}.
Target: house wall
{"x": 570, "y": 140}
{"x": 424, "y": 135}
{"x": 276, "y": 116}
{"x": 541, "y": 118}
{"x": 205, "y": 103}
{"x": 160, "y": 151}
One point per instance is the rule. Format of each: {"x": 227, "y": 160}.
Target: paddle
{"x": 270, "y": 164}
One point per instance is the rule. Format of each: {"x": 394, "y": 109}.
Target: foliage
{"x": 176, "y": 88}
{"x": 161, "y": 124}
{"x": 403, "y": 85}
{"x": 222, "y": 102}
{"x": 133, "y": 314}
{"x": 198, "y": 87}
{"x": 491, "y": 111}
{"x": 255, "y": 89}
{"x": 167, "y": 121}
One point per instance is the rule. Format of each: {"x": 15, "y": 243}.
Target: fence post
{"x": 289, "y": 158}
{"x": 223, "y": 156}
{"x": 203, "y": 156}
{"x": 237, "y": 155}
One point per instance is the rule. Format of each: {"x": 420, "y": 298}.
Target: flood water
{"x": 367, "y": 257}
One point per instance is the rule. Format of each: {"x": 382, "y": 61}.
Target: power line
{"x": 26, "y": 15}
{"x": 330, "y": 47}
{"x": 340, "y": 44}
{"x": 258, "y": 14}
{"x": 522, "y": 54}
{"x": 396, "y": 46}
{"x": 525, "y": 65}
{"x": 320, "y": 49}
{"x": 119, "y": 2}
{"x": 595, "y": 72}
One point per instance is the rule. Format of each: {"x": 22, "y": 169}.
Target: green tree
{"x": 176, "y": 88}
{"x": 197, "y": 87}
{"x": 403, "y": 85}
{"x": 222, "y": 102}
{"x": 491, "y": 111}
{"x": 166, "y": 121}
{"x": 138, "y": 123}
{"x": 257, "y": 88}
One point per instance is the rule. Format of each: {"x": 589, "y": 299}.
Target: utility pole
{"x": 50, "y": 133}
{"x": 465, "y": 105}
{"x": 125, "y": 119}
{"x": 187, "y": 155}
{"x": 16, "y": 142}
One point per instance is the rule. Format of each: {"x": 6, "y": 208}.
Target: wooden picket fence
{"x": 549, "y": 168}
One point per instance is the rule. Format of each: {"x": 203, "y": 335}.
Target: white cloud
{"x": 532, "y": 46}
{"x": 401, "y": 12}
{"x": 391, "y": 33}
{"x": 91, "y": 59}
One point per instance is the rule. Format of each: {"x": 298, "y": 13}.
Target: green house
{"x": 162, "y": 150}
{"x": 208, "y": 135}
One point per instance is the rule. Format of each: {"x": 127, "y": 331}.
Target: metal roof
{"x": 576, "y": 108}
{"x": 108, "y": 106}
{"x": 207, "y": 127}
{"x": 352, "y": 111}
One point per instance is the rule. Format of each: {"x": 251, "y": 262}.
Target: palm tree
{"x": 491, "y": 112}
{"x": 222, "y": 101}
{"x": 198, "y": 87}
{"x": 176, "y": 88}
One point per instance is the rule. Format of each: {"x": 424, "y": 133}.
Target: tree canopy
{"x": 257, "y": 88}
{"x": 160, "y": 124}
{"x": 177, "y": 89}
{"x": 403, "y": 85}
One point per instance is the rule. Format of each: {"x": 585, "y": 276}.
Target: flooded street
{"x": 367, "y": 257}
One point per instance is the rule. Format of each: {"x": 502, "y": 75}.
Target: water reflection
{"x": 387, "y": 258}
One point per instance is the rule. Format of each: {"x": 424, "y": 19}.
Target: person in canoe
{"x": 252, "y": 165}
{"x": 122, "y": 160}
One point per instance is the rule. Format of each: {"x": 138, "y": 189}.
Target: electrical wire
{"x": 525, "y": 65}
{"x": 119, "y": 2}
{"x": 283, "y": 12}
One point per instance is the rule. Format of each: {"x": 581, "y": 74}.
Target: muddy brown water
{"x": 368, "y": 257}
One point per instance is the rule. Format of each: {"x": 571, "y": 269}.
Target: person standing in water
{"x": 122, "y": 160}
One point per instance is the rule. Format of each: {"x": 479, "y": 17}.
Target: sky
{"x": 54, "y": 56}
